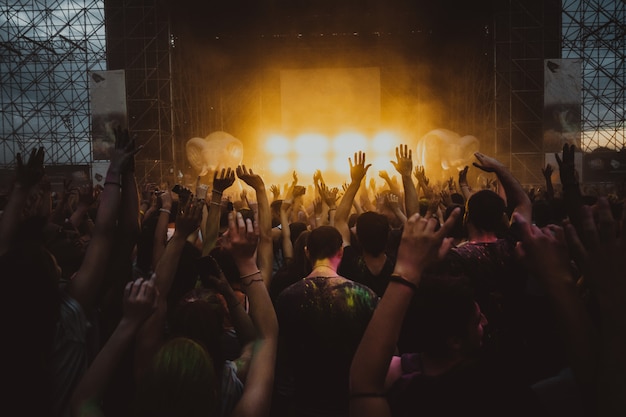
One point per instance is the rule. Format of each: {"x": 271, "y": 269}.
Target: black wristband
{"x": 401, "y": 280}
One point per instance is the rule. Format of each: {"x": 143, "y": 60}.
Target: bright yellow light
{"x": 277, "y": 145}
{"x": 311, "y": 144}
{"x": 280, "y": 166}
{"x": 382, "y": 162}
{"x": 346, "y": 144}
{"x": 385, "y": 142}
{"x": 309, "y": 164}
{"x": 341, "y": 164}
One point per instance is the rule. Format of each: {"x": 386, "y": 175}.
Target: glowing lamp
{"x": 218, "y": 150}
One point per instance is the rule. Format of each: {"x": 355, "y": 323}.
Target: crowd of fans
{"x": 414, "y": 298}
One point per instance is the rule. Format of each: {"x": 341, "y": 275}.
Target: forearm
{"x": 516, "y": 197}
{"x": 130, "y": 205}
{"x": 265, "y": 250}
{"x": 97, "y": 377}
{"x": 212, "y": 225}
{"x": 285, "y": 236}
{"x": 160, "y": 235}
{"x": 168, "y": 263}
{"x": 411, "y": 200}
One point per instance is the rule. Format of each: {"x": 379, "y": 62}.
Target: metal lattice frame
{"x": 526, "y": 32}
{"x": 595, "y": 31}
{"x": 140, "y": 42}
{"x": 47, "y": 48}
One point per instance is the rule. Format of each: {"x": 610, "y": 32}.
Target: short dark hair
{"x": 323, "y": 242}
{"x": 372, "y": 230}
{"x": 485, "y": 210}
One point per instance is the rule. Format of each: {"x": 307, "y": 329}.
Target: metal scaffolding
{"x": 526, "y": 32}
{"x": 47, "y": 48}
{"x": 595, "y": 31}
{"x": 139, "y": 42}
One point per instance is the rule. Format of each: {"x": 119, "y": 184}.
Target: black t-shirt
{"x": 322, "y": 320}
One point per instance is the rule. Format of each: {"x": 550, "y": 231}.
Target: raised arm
{"x": 241, "y": 241}
{"x": 404, "y": 165}
{"x": 221, "y": 181}
{"x": 546, "y": 254}
{"x": 265, "y": 256}
{"x": 139, "y": 302}
{"x": 571, "y": 189}
{"x": 27, "y": 176}
{"x": 516, "y": 197}
{"x": 151, "y": 333}
{"x": 85, "y": 287}
{"x": 357, "y": 172}
{"x": 160, "y": 230}
{"x": 420, "y": 245}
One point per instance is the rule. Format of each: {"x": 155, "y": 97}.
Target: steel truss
{"x": 47, "y": 48}
{"x": 595, "y": 31}
{"x": 526, "y": 32}
{"x": 139, "y": 41}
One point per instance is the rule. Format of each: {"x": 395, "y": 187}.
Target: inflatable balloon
{"x": 443, "y": 152}
{"x": 218, "y": 150}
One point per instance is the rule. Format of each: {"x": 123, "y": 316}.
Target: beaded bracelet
{"x": 401, "y": 280}
{"x": 165, "y": 211}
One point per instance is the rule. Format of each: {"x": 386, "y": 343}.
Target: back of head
{"x": 200, "y": 316}
{"x": 372, "y": 230}
{"x": 485, "y": 210}
{"x": 180, "y": 382}
{"x": 296, "y": 228}
{"x": 323, "y": 242}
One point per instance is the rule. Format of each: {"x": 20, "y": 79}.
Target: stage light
{"x": 280, "y": 166}
{"x": 277, "y": 145}
{"x": 311, "y": 144}
{"x": 341, "y": 164}
{"x": 385, "y": 142}
{"x": 382, "y": 162}
{"x": 346, "y": 144}
{"x": 309, "y": 164}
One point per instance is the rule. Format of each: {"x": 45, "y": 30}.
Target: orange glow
{"x": 385, "y": 142}
{"x": 277, "y": 145}
{"x": 280, "y": 165}
{"x": 382, "y": 162}
{"x": 311, "y": 143}
{"x": 346, "y": 144}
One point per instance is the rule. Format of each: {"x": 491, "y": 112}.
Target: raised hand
{"x": 30, "y": 174}
{"x": 567, "y": 167}
{"x": 358, "y": 169}
{"x": 384, "y": 175}
{"x": 275, "y": 191}
{"x": 253, "y": 180}
{"x": 404, "y": 161}
{"x": 123, "y": 158}
{"x": 463, "y": 176}
{"x": 317, "y": 176}
{"x": 189, "y": 216}
{"x": 420, "y": 174}
{"x": 223, "y": 179}
{"x": 547, "y": 171}
{"x": 487, "y": 163}
{"x": 421, "y": 245}
{"x": 329, "y": 195}
{"x": 242, "y": 237}
{"x": 140, "y": 298}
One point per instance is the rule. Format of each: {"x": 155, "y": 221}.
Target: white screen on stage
{"x": 330, "y": 98}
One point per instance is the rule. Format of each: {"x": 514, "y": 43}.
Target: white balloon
{"x": 218, "y": 150}
{"x": 442, "y": 150}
